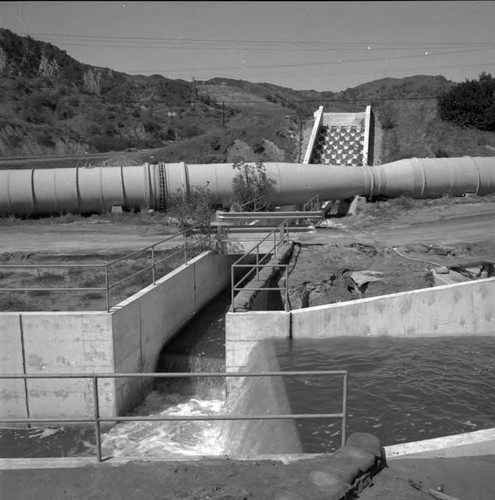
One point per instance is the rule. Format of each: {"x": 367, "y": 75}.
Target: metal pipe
{"x": 95, "y": 189}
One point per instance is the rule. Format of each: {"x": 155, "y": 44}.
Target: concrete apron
{"x": 331, "y": 476}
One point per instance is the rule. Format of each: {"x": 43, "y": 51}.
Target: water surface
{"x": 398, "y": 389}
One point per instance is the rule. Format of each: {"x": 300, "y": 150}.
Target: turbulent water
{"x": 398, "y": 389}
{"x": 171, "y": 439}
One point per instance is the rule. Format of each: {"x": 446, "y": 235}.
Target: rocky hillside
{"x": 52, "y": 104}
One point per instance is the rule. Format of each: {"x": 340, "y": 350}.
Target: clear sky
{"x": 302, "y": 45}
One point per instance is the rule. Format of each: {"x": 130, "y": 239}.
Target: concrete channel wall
{"x": 145, "y": 322}
{"x": 126, "y": 339}
{"x": 58, "y": 342}
{"x": 461, "y": 309}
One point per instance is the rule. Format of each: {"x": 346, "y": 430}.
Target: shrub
{"x": 251, "y": 187}
{"x": 45, "y": 139}
{"x": 429, "y": 278}
{"x": 441, "y": 153}
{"x": 386, "y": 121}
{"x": 259, "y": 148}
{"x": 403, "y": 201}
{"x": 14, "y": 141}
{"x": 192, "y": 208}
{"x": 470, "y": 103}
{"x": 105, "y": 143}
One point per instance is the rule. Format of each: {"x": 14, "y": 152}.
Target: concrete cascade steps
{"x": 339, "y": 145}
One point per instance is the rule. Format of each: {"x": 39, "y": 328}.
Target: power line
{"x": 301, "y": 101}
{"x": 258, "y": 42}
{"x": 184, "y": 44}
{"x": 308, "y": 64}
{"x": 234, "y": 49}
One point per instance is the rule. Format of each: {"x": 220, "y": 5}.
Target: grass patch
{"x": 49, "y": 278}
{"x": 84, "y": 277}
{"x": 13, "y": 303}
{"x": 92, "y": 296}
{"x": 75, "y": 272}
{"x": 92, "y": 282}
{"x": 143, "y": 217}
{"x": 39, "y": 293}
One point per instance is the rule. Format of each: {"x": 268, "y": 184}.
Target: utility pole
{"x": 193, "y": 93}
{"x": 300, "y": 140}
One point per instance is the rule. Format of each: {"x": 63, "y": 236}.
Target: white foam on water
{"x": 170, "y": 439}
{"x": 43, "y": 433}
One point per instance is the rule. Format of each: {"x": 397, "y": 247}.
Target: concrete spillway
{"x": 340, "y": 140}
{"x": 94, "y": 189}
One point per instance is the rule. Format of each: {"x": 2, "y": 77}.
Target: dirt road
{"x": 442, "y": 222}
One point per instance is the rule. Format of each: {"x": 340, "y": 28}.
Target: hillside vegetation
{"x": 52, "y": 104}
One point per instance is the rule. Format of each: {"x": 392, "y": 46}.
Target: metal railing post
{"x": 287, "y": 308}
{"x": 107, "y": 288}
{"x": 220, "y": 239}
{"x": 153, "y": 274}
{"x": 232, "y": 288}
{"x": 275, "y": 244}
{"x": 96, "y": 405}
{"x": 344, "y": 409}
{"x": 257, "y": 260}
{"x": 185, "y": 248}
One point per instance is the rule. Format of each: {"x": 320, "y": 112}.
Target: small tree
{"x": 193, "y": 208}
{"x": 251, "y": 187}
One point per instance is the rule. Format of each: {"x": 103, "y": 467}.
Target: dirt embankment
{"x": 337, "y": 272}
{"x": 394, "y": 246}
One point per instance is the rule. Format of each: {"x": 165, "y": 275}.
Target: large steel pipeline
{"x": 96, "y": 189}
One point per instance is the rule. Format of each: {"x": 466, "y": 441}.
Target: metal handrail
{"x": 106, "y": 267}
{"x": 281, "y": 228}
{"x": 312, "y": 203}
{"x": 252, "y": 201}
{"x": 256, "y": 289}
{"x": 97, "y": 419}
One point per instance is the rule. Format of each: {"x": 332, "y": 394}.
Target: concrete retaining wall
{"x": 126, "y": 339}
{"x": 12, "y": 392}
{"x": 58, "y": 342}
{"x": 461, "y": 309}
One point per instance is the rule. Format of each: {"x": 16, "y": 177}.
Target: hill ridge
{"x": 54, "y": 104}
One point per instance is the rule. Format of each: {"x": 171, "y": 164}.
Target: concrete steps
{"x": 339, "y": 145}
